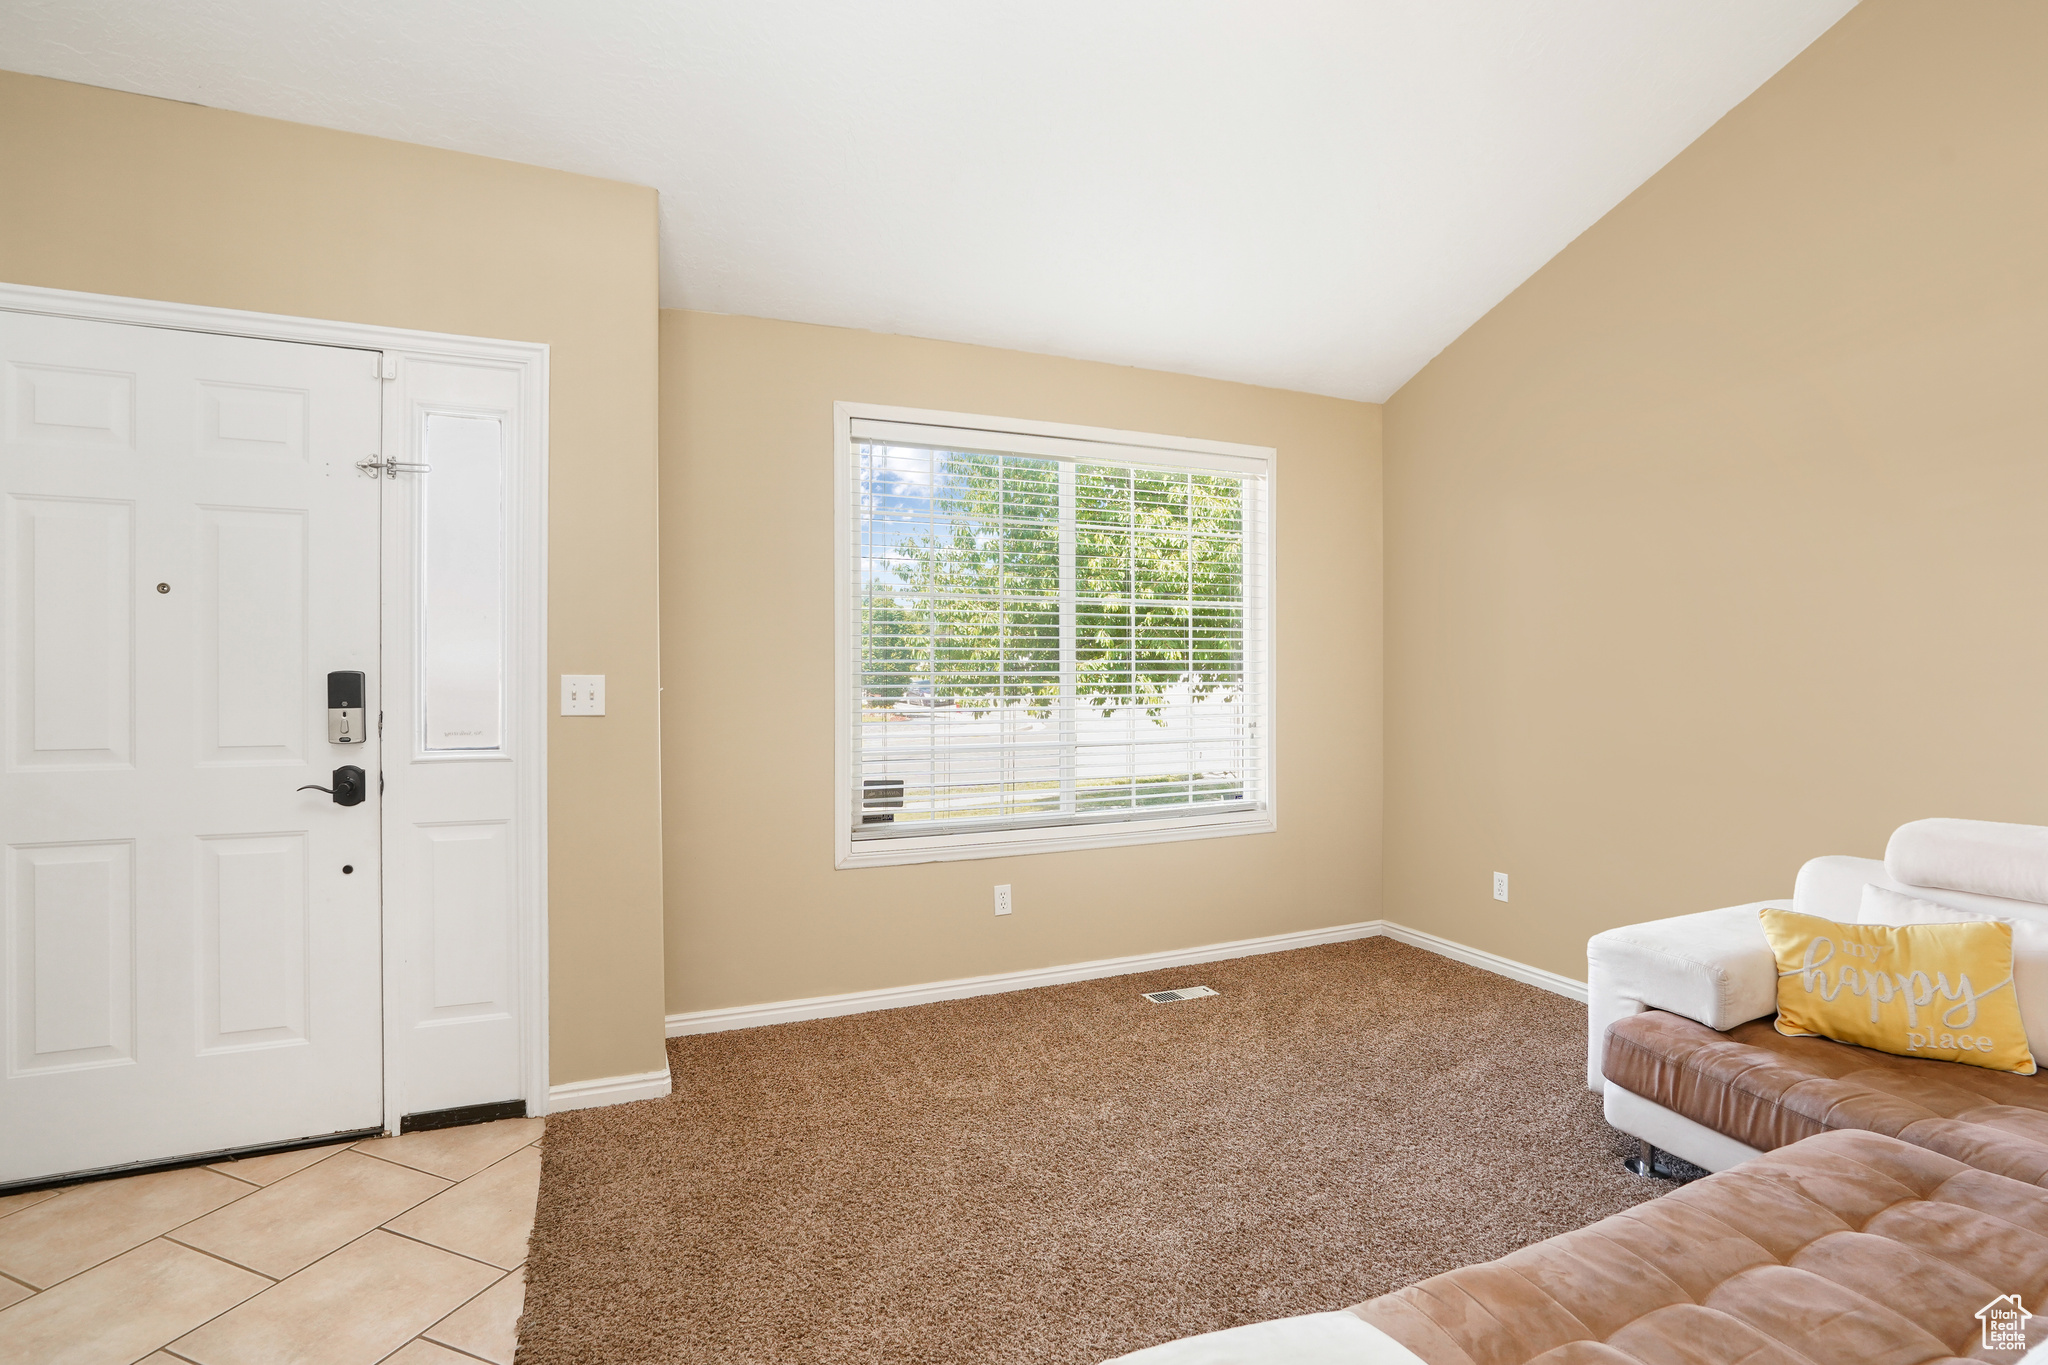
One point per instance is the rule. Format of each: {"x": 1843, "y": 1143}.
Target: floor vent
{"x": 1186, "y": 993}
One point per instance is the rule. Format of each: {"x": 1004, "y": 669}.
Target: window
{"x": 461, "y": 551}
{"x": 1052, "y": 637}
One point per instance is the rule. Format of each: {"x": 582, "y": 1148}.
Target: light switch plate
{"x": 583, "y": 694}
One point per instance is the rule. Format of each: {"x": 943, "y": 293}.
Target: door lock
{"x": 390, "y": 469}
{"x": 345, "y": 708}
{"x": 349, "y": 789}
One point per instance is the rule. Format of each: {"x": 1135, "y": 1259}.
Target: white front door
{"x": 191, "y": 951}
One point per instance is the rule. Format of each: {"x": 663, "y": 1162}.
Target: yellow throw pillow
{"x": 1927, "y": 990}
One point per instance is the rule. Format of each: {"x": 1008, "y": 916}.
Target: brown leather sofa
{"x": 1894, "y": 1201}
{"x": 1761, "y": 1088}
{"x": 1848, "y": 1248}
{"x": 1896, "y": 1198}
{"x": 1869, "y": 1209}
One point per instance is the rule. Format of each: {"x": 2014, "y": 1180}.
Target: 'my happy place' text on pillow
{"x": 1941, "y": 991}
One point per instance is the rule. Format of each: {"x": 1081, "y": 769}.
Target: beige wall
{"x": 1720, "y": 543}
{"x": 756, "y": 911}
{"x": 118, "y": 194}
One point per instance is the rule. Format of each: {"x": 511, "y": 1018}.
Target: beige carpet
{"x": 1065, "y": 1174}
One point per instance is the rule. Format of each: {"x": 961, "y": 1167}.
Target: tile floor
{"x": 408, "y": 1250}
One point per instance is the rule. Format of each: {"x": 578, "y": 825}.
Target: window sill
{"x": 952, "y": 848}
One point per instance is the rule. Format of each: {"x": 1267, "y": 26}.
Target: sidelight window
{"x": 462, "y": 584}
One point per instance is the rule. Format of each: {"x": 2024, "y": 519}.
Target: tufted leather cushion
{"x": 1760, "y": 1087}
{"x": 1847, "y": 1249}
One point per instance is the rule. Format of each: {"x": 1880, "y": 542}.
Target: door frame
{"x": 526, "y": 684}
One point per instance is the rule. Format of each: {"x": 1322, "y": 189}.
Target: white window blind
{"x": 1051, "y": 634}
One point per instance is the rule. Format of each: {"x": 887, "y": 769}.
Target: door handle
{"x": 349, "y": 786}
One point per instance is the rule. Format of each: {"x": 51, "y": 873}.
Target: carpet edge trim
{"x": 925, "y": 993}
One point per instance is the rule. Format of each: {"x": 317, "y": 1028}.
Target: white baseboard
{"x": 1485, "y": 961}
{"x": 648, "y": 1085}
{"x": 896, "y": 997}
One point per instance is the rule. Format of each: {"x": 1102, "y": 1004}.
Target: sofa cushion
{"x": 1983, "y": 857}
{"x": 1849, "y": 1249}
{"x": 1882, "y": 905}
{"x": 1767, "y": 1090}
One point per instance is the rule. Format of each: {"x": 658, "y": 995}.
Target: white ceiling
{"x": 1312, "y": 194}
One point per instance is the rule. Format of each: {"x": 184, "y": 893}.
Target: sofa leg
{"x": 1644, "y": 1162}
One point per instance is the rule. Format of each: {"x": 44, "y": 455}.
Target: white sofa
{"x": 1716, "y": 968}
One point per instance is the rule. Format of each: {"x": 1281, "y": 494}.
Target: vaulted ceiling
{"x": 1308, "y": 194}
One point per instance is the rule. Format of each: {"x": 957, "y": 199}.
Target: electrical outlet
{"x": 1500, "y": 886}
{"x": 583, "y": 694}
{"x": 1003, "y": 899}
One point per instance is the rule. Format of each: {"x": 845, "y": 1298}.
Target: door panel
{"x": 55, "y": 406}
{"x": 244, "y": 419}
{"x": 252, "y": 901}
{"x": 73, "y": 636}
{"x": 450, "y": 812}
{"x": 189, "y": 549}
{"x": 468, "y": 926}
{"x": 74, "y": 975}
{"x": 254, "y": 670}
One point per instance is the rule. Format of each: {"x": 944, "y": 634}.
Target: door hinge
{"x": 380, "y": 782}
{"x": 380, "y": 725}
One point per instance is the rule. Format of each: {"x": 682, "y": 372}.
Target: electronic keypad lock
{"x": 345, "y": 708}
